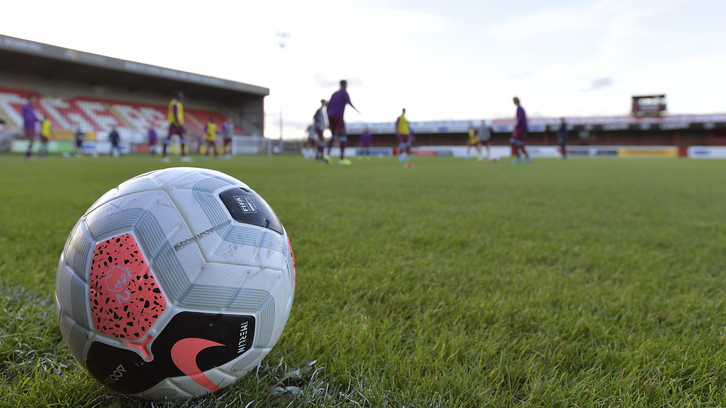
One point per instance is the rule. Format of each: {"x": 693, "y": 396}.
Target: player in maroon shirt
{"x": 336, "y": 109}
{"x": 365, "y": 142}
{"x": 520, "y": 133}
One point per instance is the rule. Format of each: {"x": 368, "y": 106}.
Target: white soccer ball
{"x": 175, "y": 284}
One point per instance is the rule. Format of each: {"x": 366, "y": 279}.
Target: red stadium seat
{"x": 99, "y": 115}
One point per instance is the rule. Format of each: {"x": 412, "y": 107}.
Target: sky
{"x": 452, "y": 60}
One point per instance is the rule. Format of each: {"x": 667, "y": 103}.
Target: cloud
{"x": 531, "y": 26}
{"x": 599, "y": 83}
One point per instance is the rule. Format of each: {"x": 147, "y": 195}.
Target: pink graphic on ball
{"x": 125, "y": 296}
{"x": 117, "y": 281}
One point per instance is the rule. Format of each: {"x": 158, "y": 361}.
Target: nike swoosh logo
{"x": 184, "y": 355}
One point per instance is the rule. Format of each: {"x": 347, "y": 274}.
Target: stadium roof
{"x": 33, "y": 57}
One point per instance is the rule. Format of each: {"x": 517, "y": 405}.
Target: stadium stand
{"x": 94, "y": 93}
{"x": 91, "y": 115}
{"x": 681, "y": 131}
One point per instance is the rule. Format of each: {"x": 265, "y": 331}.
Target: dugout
{"x": 94, "y": 92}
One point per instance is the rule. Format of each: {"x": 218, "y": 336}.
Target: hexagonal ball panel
{"x": 125, "y": 298}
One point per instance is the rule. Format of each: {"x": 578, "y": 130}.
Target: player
{"x": 485, "y": 136}
{"x": 562, "y": 138}
{"x": 311, "y": 141}
{"x": 520, "y": 133}
{"x": 152, "y": 141}
{"x": 46, "y": 132}
{"x": 79, "y": 143}
{"x": 336, "y": 109}
{"x": 411, "y": 139}
{"x": 210, "y": 132}
{"x": 474, "y": 140}
{"x": 176, "y": 127}
{"x": 227, "y": 132}
{"x": 320, "y": 126}
{"x": 315, "y": 133}
{"x": 30, "y": 118}
{"x": 402, "y": 133}
{"x": 365, "y": 142}
{"x": 114, "y": 138}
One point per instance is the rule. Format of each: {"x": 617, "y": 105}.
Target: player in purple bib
{"x": 30, "y": 118}
{"x": 336, "y": 110}
{"x": 365, "y": 142}
{"x": 520, "y": 133}
{"x": 152, "y": 141}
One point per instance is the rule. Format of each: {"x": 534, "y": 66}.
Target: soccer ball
{"x": 175, "y": 284}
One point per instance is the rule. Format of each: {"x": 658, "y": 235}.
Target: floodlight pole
{"x": 284, "y": 35}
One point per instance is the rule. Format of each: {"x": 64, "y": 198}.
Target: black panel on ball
{"x": 122, "y": 370}
{"x": 125, "y": 371}
{"x": 248, "y": 207}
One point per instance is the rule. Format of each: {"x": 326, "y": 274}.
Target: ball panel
{"x": 107, "y": 221}
{"x": 201, "y": 211}
{"x": 150, "y": 233}
{"x": 78, "y": 250}
{"x": 208, "y": 297}
{"x": 224, "y": 177}
{"x": 174, "y": 279}
{"x": 180, "y": 177}
{"x": 228, "y": 275}
{"x": 247, "y": 207}
{"x": 163, "y": 391}
{"x": 77, "y": 337}
{"x": 265, "y": 279}
{"x": 203, "y": 382}
{"x": 110, "y": 195}
{"x": 72, "y": 295}
{"x": 121, "y": 369}
{"x": 224, "y": 240}
{"x": 244, "y": 363}
{"x": 125, "y": 297}
{"x": 267, "y": 323}
{"x": 79, "y": 291}
{"x": 143, "y": 182}
{"x": 192, "y": 343}
{"x": 249, "y": 300}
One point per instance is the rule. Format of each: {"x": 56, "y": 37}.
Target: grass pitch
{"x": 591, "y": 282}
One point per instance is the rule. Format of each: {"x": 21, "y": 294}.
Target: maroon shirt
{"x": 521, "y": 120}
{"x": 336, "y": 105}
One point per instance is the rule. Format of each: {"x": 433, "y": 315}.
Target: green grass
{"x": 591, "y": 282}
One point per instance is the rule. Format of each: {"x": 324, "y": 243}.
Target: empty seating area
{"x": 99, "y": 115}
